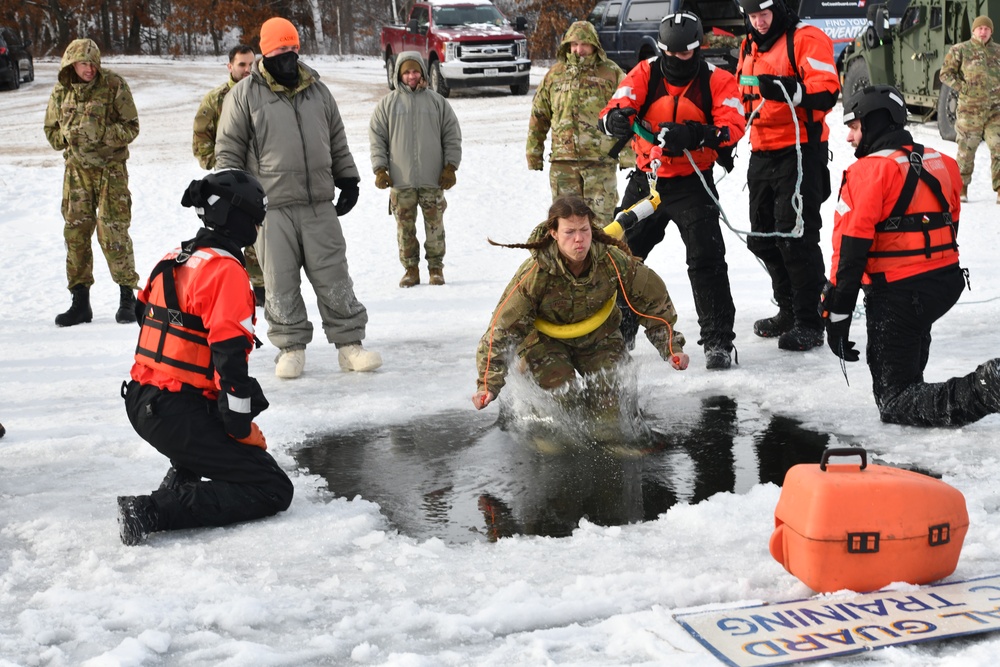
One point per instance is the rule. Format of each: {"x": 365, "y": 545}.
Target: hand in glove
{"x": 675, "y": 138}
{"x": 714, "y": 136}
{"x": 349, "y": 192}
{"x": 619, "y": 122}
{"x": 255, "y": 439}
{"x": 447, "y": 178}
{"x": 838, "y": 326}
{"x": 382, "y": 179}
{"x": 535, "y": 162}
{"x": 774, "y": 88}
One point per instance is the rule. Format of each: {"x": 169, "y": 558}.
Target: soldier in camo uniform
{"x": 416, "y": 148}
{"x": 568, "y": 102}
{"x": 92, "y": 119}
{"x": 972, "y": 69}
{"x": 568, "y": 288}
{"x": 206, "y": 122}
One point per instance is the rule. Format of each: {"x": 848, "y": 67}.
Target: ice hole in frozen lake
{"x": 462, "y": 476}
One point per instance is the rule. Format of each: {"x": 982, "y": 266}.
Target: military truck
{"x": 910, "y": 53}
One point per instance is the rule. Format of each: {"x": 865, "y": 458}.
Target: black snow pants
{"x": 684, "y": 200}
{"x": 794, "y": 264}
{"x": 243, "y": 483}
{"x": 900, "y": 316}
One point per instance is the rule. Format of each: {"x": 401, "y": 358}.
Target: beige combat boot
{"x": 410, "y": 278}
{"x": 354, "y": 357}
{"x": 437, "y": 276}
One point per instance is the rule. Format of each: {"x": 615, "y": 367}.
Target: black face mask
{"x": 284, "y": 67}
{"x": 678, "y": 72}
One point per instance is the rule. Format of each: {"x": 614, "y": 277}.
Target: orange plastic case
{"x": 863, "y": 527}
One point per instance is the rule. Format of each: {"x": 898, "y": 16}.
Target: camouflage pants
{"x": 403, "y": 204}
{"x": 596, "y": 183}
{"x": 554, "y": 364}
{"x": 972, "y": 128}
{"x": 253, "y": 266}
{"x": 98, "y": 198}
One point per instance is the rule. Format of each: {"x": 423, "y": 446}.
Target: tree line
{"x": 200, "y": 27}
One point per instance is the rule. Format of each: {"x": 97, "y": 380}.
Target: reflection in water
{"x": 459, "y": 477}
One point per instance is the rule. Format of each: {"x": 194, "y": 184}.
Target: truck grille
{"x": 487, "y": 53}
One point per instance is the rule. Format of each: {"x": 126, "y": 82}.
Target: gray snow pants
{"x": 308, "y": 237}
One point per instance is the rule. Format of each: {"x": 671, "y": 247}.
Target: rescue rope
{"x": 670, "y": 329}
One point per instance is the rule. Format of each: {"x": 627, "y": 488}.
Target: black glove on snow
{"x": 349, "y": 192}
{"x": 774, "y": 88}
{"x": 619, "y": 122}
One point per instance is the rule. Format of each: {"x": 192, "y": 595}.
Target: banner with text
{"x": 833, "y": 625}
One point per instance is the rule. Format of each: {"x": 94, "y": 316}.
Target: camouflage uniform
{"x": 972, "y": 69}
{"x": 93, "y": 124}
{"x": 206, "y": 121}
{"x": 568, "y": 101}
{"x": 544, "y": 288}
{"x": 413, "y": 135}
{"x": 403, "y": 204}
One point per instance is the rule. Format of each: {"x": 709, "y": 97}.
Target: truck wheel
{"x": 390, "y": 69}
{"x": 946, "y": 112}
{"x": 519, "y": 88}
{"x": 438, "y": 83}
{"x": 857, "y": 77}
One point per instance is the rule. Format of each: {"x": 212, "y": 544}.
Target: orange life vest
{"x": 171, "y": 341}
{"x": 919, "y": 234}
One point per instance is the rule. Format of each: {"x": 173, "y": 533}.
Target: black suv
{"x": 16, "y": 63}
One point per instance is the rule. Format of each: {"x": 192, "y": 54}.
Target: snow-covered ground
{"x": 328, "y": 581}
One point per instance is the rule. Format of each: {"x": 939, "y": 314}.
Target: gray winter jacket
{"x": 414, "y": 133}
{"x": 293, "y": 141}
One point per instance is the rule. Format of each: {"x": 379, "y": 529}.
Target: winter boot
{"x": 717, "y": 358}
{"x": 411, "y": 277}
{"x": 79, "y": 311}
{"x": 353, "y": 357}
{"x": 437, "y": 276}
{"x": 772, "y": 327}
{"x": 126, "y": 306}
{"x": 259, "y": 295}
{"x": 178, "y": 477}
{"x": 800, "y": 338}
{"x": 290, "y": 363}
{"x": 137, "y": 518}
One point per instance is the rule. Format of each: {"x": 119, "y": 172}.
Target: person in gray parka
{"x": 416, "y": 148}
{"x": 282, "y": 125}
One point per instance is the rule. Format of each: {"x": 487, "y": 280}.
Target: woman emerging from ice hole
{"x": 559, "y": 311}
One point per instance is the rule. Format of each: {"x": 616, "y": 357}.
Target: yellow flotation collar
{"x": 577, "y": 329}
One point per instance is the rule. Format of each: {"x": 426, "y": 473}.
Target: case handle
{"x": 844, "y": 451}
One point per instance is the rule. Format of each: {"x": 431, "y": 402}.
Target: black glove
{"x": 674, "y": 138}
{"x": 838, "y": 324}
{"x": 619, "y": 122}
{"x": 836, "y": 336}
{"x": 349, "y": 192}
{"x": 714, "y": 136}
{"x": 774, "y": 88}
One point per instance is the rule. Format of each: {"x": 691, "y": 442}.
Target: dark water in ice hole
{"x": 459, "y": 477}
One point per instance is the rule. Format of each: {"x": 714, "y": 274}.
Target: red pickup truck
{"x": 465, "y": 43}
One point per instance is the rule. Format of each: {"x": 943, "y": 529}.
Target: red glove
{"x": 256, "y": 438}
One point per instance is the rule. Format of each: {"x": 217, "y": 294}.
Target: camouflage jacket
{"x": 206, "y": 122}
{"x": 544, "y": 287}
{"x": 92, "y": 123}
{"x": 569, "y": 99}
{"x": 972, "y": 69}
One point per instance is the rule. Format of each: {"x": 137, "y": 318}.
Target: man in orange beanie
{"x": 282, "y": 125}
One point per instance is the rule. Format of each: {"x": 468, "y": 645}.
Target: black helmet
{"x": 874, "y": 98}
{"x": 754, "y": 6}
{"x": 232, "y": 202}
{"x": 680, "y": 32}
